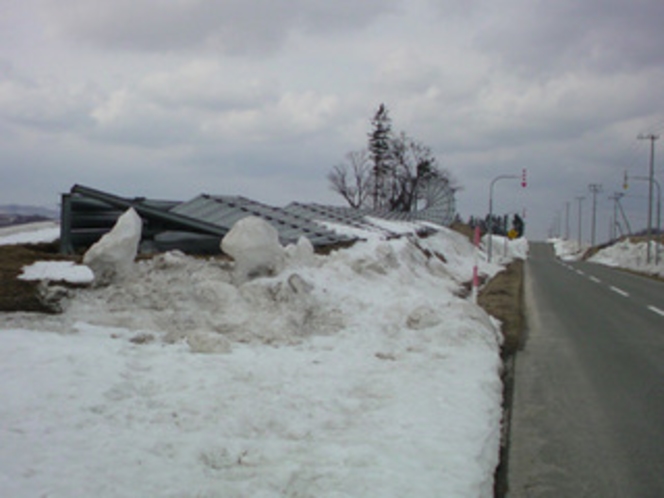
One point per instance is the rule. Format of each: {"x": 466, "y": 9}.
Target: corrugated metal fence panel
{"x": 353, "y": 218}
{"x": 225, "y": 211}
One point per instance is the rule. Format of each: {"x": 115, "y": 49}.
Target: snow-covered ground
{"x": 30, "y": 233}
{"x": 624, "y": 254}
{"x": 361, "y": 373}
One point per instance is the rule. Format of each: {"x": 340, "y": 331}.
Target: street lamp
{"x": 493, "y": 182}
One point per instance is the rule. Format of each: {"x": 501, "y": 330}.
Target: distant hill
{"x": 16, "y": 214}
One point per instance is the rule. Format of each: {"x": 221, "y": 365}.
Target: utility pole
{"x": 659, "y": 211}
{"x": 580, "y": 199}
{"x": 652, "y": 139}
{"x": 625, "y": 220}
{"x": 595, "y": 188}
{"x": 615, "y": 225}
{"x": 567, "y": 220}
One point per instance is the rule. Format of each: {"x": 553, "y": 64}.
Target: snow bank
{"x": 632, "y": 256}
{"x": 504, "y": 250}
{"x": 361, "y": 373}
{"x": 568, "y": 250}
{"x": 113, "y": 255}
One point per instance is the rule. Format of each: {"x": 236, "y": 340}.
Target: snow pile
{"x": 568, "y": 250}
{"x": 361, "y": 373}
{"x": 113, "y": 255}
{"x": 254, "y": 245}
{"x": 31, "y": 233}
{"x": 504, "y": 250}
{"x": 55, "y": 271}
{"x": 458, "y": 254}
{"x": 631, "y": 256}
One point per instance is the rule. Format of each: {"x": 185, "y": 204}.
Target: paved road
{"x": 588, "y": 415}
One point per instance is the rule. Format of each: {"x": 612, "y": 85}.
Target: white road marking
{"x": 596, "y": 280}
{"x": 619, "y": 291}
{"x": 656, "y": 310}
{"x": 580, "y": 272}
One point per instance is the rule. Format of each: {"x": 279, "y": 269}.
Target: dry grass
{"x": 463, "y": 229}
{"x": 502, "y": 297}
{"x": 21, "y": 295}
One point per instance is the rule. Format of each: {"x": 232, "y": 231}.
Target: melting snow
{"x": 58, "y": 271}
{"x": 357, "y": 374}
{"x": 568, "y": 250}
{"x": 31, "y": 233}
{"x": 623, "y": 254}
{"x": 633, "y": 256}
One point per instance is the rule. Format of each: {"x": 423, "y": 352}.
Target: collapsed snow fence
{"x": 197, "y": 226}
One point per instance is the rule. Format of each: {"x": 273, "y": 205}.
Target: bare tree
{"x": 353, "y": 180}
{"x": 413, "y": 167}
{"x": 392, "y": 173}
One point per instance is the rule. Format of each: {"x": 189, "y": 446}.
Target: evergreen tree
{"x": 379, "y": 149}
{"x": 518, "y": 225}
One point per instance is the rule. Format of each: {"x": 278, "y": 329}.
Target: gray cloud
{"x": 561, "y": 88}
{"x": 236, "y": 27}
{"x": 593, "y": 35}
{"x": 43, "y": 104}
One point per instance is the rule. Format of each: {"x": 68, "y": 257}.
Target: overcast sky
{"x": 261, "y": 98}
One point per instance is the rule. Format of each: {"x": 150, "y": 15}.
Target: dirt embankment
{"x": 502, "y": 297}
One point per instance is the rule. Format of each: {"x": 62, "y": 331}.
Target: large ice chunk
{"x": 113, "y": 255}
{"x": 254, "y": 245}
{"x": 301, "y": 254}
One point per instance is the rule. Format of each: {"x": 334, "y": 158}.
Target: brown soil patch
{"x": 21, "y": 295}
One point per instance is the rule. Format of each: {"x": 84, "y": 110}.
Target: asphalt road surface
{"x": 588, "y": 411}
